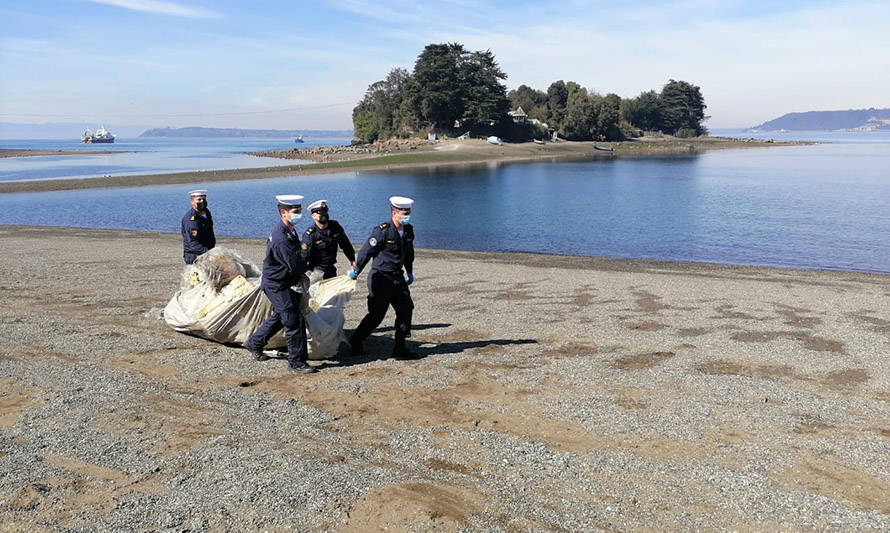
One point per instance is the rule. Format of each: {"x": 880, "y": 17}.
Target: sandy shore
{"x": 556, "y": 393}
{"x": 15, "y": 152}
{"x": 394, "y": 156}
{"x": 479, "y": 149}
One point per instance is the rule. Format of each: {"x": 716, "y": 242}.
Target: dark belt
{"x": 392, "y": 275}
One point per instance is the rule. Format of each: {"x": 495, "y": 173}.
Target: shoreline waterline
{"x": 524, "y": 258}
{"x": 439, "y": 156}
{"x": 15, "y": 152}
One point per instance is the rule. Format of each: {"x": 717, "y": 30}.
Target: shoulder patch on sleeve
{"x": 372, "y": 241}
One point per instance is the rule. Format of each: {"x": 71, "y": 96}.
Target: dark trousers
{"x": 286, "y": 314}
{"x": 385, "y": 289}
{"x": 191, "y": 257}
{"x": 329, "y": 272}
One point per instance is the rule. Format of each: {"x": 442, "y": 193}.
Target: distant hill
{"x": 851, "y": 119}
{"x": 65, "y": 130}
{"x": 237, "y": 132}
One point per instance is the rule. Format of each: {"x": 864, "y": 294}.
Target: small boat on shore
{"x": 603, "y": 148}
{"x": 537, "y": 141}
{"x": 299, "y": 139}
{"x": 101, "y": 136}
{"x": 495, "y": 140}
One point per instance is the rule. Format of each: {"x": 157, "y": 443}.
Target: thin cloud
{"x": 402, "y": 12}
{"x": 160, "y": 7}
{"x": 753, "y": 60}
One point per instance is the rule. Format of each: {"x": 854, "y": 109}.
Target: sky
{"x": 304, "y": 65}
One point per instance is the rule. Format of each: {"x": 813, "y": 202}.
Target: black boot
{"x": 355, "y": 346}
{"x": 301, "y": 367}
{"x": 257, "y": 353}
{"x": 400, "y": 351}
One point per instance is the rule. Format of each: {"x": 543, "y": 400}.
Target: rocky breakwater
{"x": 327, "y": 154}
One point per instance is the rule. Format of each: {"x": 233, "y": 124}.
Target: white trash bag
{"x": 221, "y": 300}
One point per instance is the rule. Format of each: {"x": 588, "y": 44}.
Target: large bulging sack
{"x": 221, "y": 300}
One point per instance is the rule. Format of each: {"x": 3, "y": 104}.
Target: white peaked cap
{"x": 400, "y": 202}
{"x": 198, "y": 192}
{"x": 290, "y": 199}
{"x": 318, "y": 205}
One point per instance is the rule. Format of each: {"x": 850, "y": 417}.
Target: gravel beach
{"x": 555, "y": 393}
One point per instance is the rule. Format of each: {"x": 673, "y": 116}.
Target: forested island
{"x": 238, "y": 132}
{"x": 454, "y": 91}
{"x": 851, "y": 119}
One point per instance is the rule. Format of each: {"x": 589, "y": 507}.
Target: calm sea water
{"x": 823, "y": 206}
{"x": 145, "y": 156}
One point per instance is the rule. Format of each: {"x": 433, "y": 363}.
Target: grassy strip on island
{"x": 429, "y": 154}
{"x": 18, "y": 152}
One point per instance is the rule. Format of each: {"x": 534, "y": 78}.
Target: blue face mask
{"x": 406, "y": 219}
{"x": 294, "y": 217}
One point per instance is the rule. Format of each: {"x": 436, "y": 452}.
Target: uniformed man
{"x": 320, "y": 242}
{"x": 391, "y": 246}
{"x": 283, "y": 268}
{"x": 197, "y": 228}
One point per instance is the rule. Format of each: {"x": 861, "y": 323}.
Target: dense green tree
{"x": 575, "y": 94}
{"x": 409, "y": 114}
{"x": 590, "y": 116}
{"x": 437, "y": 72}
{"x": 580, "y": 114}
{"x": 376, "y": 116}
{"x": 557, "y": 99}
{"x": 533, "y": 102}
{"x": 683, "y": 107}
{"x": 485, "y": 97}
{"x": 608, "y": 115}
{"x": 450, "y": 85}
{"x": 644, "y": 111}
{"x": 365, "y": 126}
{"x": 580, "y": 119}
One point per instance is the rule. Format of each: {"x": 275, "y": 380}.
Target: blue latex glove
{"x": 410, "y": 278}
{"x": 352, "y": 274}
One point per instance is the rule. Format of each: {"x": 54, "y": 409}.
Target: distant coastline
{"x": 849, "y": 120}
{"x": 246, "y": 133}
{"x": 424, "y": 155}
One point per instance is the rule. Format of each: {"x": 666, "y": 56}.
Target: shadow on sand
{"x": 379, "y": 347}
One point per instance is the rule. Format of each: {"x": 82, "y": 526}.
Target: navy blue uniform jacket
{"x": 319, "y": 246}
{"x": 283, "y": 267}
{"x": 390, "y": 251}
{"x": 197, "y": 232}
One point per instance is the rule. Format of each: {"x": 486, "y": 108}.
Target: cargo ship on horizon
{"x": 101, "y": 136}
